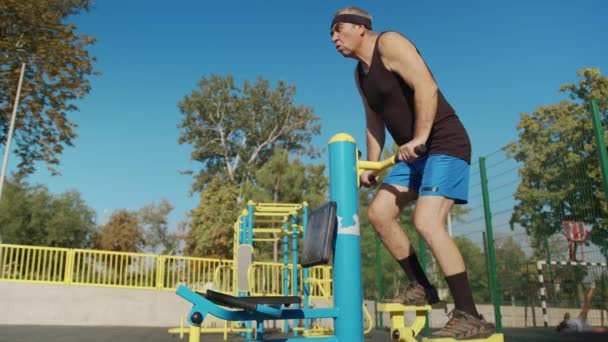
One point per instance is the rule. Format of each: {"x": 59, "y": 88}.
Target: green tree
{"x": 234, "y": 131}
{"x": 212, "y": 222}
{"x": 122, "y": 233}
{"x": 476, "y": 268}
{"x": 31, "y": 215}
{"x": 157, "y": 236}
{"x": 560, "y": 173}
{"x": 281, "y": 180}
{"x": 58, "y": 66}
{"x": 511, "y": 262}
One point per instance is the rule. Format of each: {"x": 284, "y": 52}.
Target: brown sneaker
{"x": 463, "y": 326}
{"x": 415, "y": 294}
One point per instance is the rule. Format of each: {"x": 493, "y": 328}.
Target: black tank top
{"x": 389, "y": 96}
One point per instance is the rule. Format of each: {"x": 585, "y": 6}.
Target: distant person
{"x": 579, "y": 324}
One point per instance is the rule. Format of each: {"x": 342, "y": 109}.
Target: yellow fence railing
{"x": 196, "y": 273}
{"x": 148, "y": 271}
{"x": 112, "y": 269}
{"x": 33, "y": 264}
{"x": 267, "y": 279}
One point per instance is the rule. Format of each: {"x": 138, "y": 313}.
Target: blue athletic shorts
{"x": 433, "y": 175}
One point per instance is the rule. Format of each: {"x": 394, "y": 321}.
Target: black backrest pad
{"x": 319, "y": 234}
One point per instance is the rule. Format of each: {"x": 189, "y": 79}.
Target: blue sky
{"x": 492, "y": 60}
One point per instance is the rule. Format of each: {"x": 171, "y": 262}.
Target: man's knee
{"x": 375, "y": 215}
{"x": 378, "y": 215}
{"x": 424, "y": 226}
{"x": 428, "y": 222}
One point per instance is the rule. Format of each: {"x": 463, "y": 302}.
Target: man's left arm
{"x": 400, "y": 55}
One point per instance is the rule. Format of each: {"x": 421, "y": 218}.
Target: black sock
{"x": 461, "y": 291}
{"x": 414, "y": 271}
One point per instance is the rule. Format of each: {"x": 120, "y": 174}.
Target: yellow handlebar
{"x": 376, "y": 167}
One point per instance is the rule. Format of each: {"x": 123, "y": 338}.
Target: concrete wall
{"x": 41, "y": 304}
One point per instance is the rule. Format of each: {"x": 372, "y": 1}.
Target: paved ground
{"x": 124, "y": 334}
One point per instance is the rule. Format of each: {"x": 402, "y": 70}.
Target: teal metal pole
{"x": 601, "y": 145}
{"x": 294, "y": 262}
{"x": 250, "y": 223}
{"x": 249, "y": 238}
{"x": 305, "y": 272}
{"x": 343, "y": 189}
{"x": 285, "y": 267}
{"x": 490, "y": 232}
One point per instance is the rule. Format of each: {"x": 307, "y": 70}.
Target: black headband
{"x": 353, "y": 19}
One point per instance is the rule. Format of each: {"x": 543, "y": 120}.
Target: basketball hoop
{"x": 575, "y": 232}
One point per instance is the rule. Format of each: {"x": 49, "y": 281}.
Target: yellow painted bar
{"x": 266, "y": 239}
{"x": 269, "y": 221}
{"x": 278, "y": 209}
{"x": 493, "y": 338}
{"x": 278, "y": 205}
{"x": 268, "y": 230}
{"x": 379, "y": 165}
{"x": 369, "y": 318}
{"x": 195, "y": 334}
{"x": 272, "y": 214}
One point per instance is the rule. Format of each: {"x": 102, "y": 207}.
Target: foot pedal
{"x": 396, "y": 307}
{"x": 399, "y": 331}
{"x": 494, "y": 338}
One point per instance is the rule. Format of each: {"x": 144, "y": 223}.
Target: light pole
{"x": 11, "y": 127}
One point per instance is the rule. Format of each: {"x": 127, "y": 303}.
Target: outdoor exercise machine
{"x": 331, "y": 227}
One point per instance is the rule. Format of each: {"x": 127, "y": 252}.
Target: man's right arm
{"x": 375, "y": 128}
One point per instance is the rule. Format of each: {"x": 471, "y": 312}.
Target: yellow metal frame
{"x": 402, "y": 333}
{"x": 397, "y": 314}
{"x": 194, "y": 332}
{"x": 376, "y": 167}
{"x": 493, "y": 338}
{"x": 43, "y": 265}
{"x": 82, "y": 267}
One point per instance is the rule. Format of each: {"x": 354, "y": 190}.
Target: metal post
{"x": 548, "y": 252}
{"x": 294, "y": 262}
{"x": 380, "y": 315}
{"x": 488, "y": 267}
{"x": 348, "y": 291}
{"x": 305, "y": 272}
{"x": 490, "y": 232}
{"x": 422, "y": 248}
{"x": 11, "y": 128}
{"x": 601, "y": 145}
{"x": 249, "y": 237}
{"x": 285, "y": 266}
{"x": 249, "y": 240}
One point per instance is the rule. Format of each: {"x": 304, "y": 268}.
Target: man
{"x": 579, "y": 324}
{"x": 399, "y": 94}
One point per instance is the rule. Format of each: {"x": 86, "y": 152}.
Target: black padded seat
{"x": 249, "y": 302}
